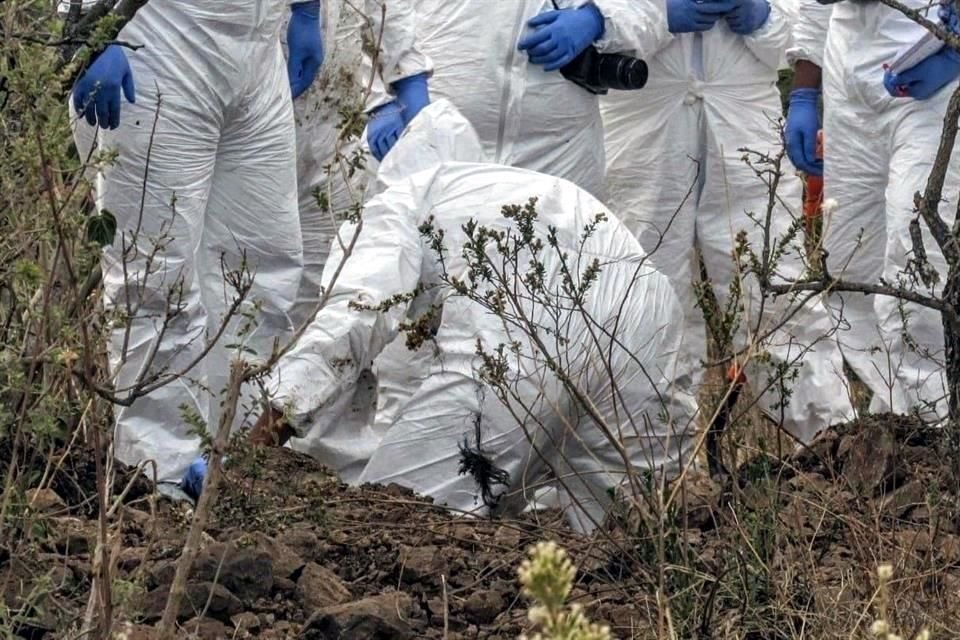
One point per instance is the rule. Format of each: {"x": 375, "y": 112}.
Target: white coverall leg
{"x": 205, "y": 166}
{"x": 327, "y": 190}
{"x": 879, "y": 153}
{"x": 802, "y": 389}
{"x": 676, "y": 177}
{"x": 324, "y": 164}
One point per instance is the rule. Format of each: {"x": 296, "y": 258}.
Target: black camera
{"x": 598, "y": 72}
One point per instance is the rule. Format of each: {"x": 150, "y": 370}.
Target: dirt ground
{"x": 787, "y": 549}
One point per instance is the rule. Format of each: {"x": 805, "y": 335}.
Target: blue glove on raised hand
{"x": 560, "y": 36}
{"x": 96, "y": 94}
{"x": 304, "y": 46}
{"x": 803, "y": 123}
{"x": 192, "y": 483}
{"x": 748, "y": 16}
{"x": 412, "y": 96}
{"x": 925, "y": 78}
{"x": 384, "y": 128}
{"x": 687, "y": 16}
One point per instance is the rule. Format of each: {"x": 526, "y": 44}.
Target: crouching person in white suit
{"x": 621, "y": 399}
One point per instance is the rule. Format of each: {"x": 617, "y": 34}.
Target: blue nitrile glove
{"x": 192, "y": 483}
{"x": 304, "y": 45}
{"x": 687, "y": 16}
{"x": 384, "y": 128}
{"x": 412, "y": 95}
{"x": 800, "y": 132}
{"x": 96, "y": 94}
{"x": 748, "y": 16}
{"x": 925, "y": 78}
{"x": 948, "y": 16}
{"x": 560, "y": 36}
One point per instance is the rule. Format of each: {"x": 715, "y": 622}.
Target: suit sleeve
{"x": 770, "y": 41}
{"x": 390, "y": 47}
{"x": 809, "y": 32}
{"x": 313, "y": 383}
{"x": 634, "y": 26}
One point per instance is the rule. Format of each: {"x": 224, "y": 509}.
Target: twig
{"x": 841, "y": 286}
{"x": 446, "y": 608}
{"x": 929, "y": 203}
{"x": 166, "y": 629}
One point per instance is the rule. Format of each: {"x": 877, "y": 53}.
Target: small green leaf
{"x": 102, "y": 228}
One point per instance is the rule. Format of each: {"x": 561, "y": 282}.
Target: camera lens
{"x": 621, "y": 73}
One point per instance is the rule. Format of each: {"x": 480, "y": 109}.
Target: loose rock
{"x": 286, "y": 562}
{"x": 483, "y": 606}
{"x": 222, "y": 603}
{"x": 206, "y": 629}
{"x": 376, "y": 618}
{"x": 422, "y": 564}
{"x": 45, "y": 501}
{"x": 320, "y": 588}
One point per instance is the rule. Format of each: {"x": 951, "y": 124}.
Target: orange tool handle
{"x": 735, "y": 373}
{"x": 813, "y": 187}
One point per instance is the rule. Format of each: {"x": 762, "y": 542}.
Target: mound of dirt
{"x": 785, "y": 549}
{"x": 290, "y": 553}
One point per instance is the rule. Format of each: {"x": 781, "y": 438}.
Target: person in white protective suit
{"x": 677, "y": 178}
{"x": 525, "y": 112}
{"x": 624, "y": 360}
{"x": 881, "y": 133}
{"x": 204, "y": 180}
{"x": 499, "y": 63}
{"x": 331, "y": 186}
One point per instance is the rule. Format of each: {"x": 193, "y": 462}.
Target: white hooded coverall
{"x": 205, "y": 170}
{"x": 676, "y": 177}
{"x": 331, "y": 186}
{"x": 879, "y": 152}
{"x": 525, "y": 116}
{"x": 634, "y": 382}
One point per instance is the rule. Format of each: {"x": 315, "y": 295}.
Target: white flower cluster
{"x": 547, "y": 577}
{"x": 881, "y": 627}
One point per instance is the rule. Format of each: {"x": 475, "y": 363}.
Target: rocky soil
{"x": 785, "y": 550}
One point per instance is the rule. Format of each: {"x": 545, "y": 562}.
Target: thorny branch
{"x": 928, "y": 204}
